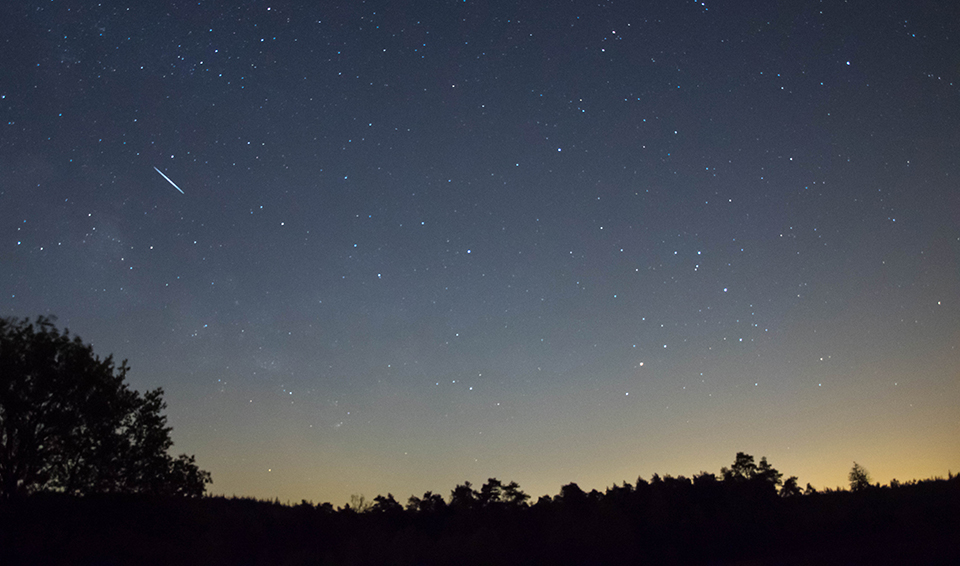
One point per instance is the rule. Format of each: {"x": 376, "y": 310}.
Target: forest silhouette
{"x": 741, "y": 516}
{"x": 86, "y": 478}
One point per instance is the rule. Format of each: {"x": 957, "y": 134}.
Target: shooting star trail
{"x": 169, "y": 181}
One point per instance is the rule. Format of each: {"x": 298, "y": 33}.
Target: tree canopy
{"x": 859, "y": 477}
{"x": 69, "y": 422}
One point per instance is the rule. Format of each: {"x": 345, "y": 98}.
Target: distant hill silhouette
{"x": 745, "y": 515}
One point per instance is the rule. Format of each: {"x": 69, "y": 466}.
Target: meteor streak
{"x": 169, "y": 181}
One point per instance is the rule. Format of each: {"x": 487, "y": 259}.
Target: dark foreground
{"x": 668, "y": 522}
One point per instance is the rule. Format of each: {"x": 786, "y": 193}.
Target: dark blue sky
{"x": 421, "y": 243}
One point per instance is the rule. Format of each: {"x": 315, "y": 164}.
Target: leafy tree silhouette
{"x": 767, "y": 473}
{"x": 463, "y": 497}
{"x": 513, "y": 496}
{"x": 490, "y": 492}
{"x": 791, "y": 488}
{"x": 859, "y": 478}
{"x": 431, "y": 503}
{"x": 749, "y": 482}
{"x": 69, "y": 423}
{"x": 743, "y": 468}
{"x": 573, "y": 498}
{"x": 386, "y": 504}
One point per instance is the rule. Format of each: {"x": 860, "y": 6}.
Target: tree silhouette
{"x": 69, "y": 423}
{"x": 463, "y": 497}
{"x": 431, "y": 503}
{"x": 386, "y": 504}
{"x": 859, "y": 478}
{"x": 767, "y": 473}
{"x": 791, "y": 488}
{"x": 490, "y": 492}
{"x": 573, "y": 498}
{"x": 513, "y": 496}
{"x": 743, "y": 468}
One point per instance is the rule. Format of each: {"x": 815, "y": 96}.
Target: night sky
{"x": 426, "y": 242}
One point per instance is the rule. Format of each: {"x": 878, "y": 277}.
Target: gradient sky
{"x": 427, "y": 242}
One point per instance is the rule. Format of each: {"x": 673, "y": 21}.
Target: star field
{"x": 422, "y": 243}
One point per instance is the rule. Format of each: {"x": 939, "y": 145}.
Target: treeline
{"x": 745, "y": 514}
